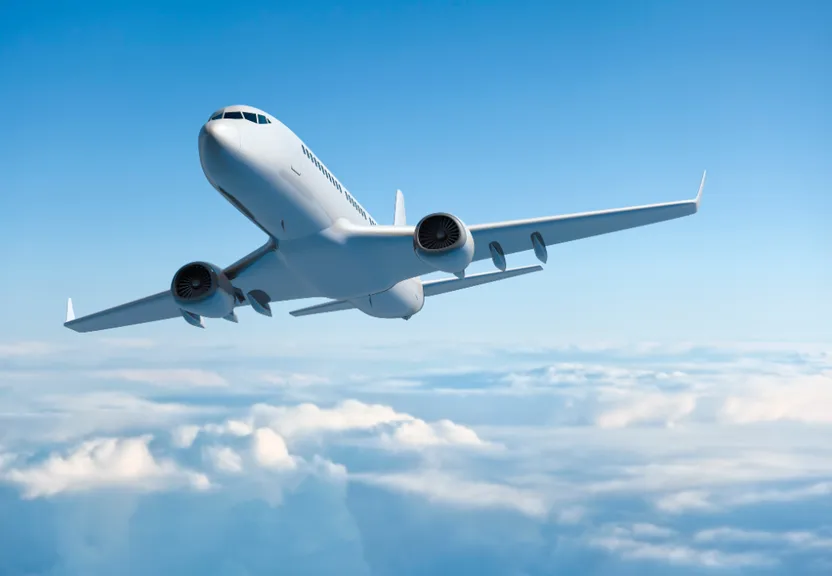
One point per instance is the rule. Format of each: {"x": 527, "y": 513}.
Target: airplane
{"x": 323, "y": 243}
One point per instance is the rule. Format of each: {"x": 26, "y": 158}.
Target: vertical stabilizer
{"x": 399, "y": 218}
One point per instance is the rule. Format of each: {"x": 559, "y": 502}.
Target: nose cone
{"x": 218, "y": 136}
{"x": 219, "y": 149}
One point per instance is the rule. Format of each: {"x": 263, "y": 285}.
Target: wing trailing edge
{"x": 445, "y": 285}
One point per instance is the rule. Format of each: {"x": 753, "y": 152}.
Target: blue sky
{"x": 696, "y": 351}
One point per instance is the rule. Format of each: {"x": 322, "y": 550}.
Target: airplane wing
{"x": 150, "y": 309}
{"x": 392, "y": 246}
{"x": 516, "y": 236}
{"x": 260, "y": 270}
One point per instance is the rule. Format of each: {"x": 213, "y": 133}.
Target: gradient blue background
{"x": 492, "y": 111}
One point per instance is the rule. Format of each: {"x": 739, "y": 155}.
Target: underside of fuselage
{"x": 262, "y": 171}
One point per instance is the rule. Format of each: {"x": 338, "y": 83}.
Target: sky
{"x": 654, "y": 401}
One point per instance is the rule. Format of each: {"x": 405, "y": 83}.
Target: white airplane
{"x": 323, "y": 243}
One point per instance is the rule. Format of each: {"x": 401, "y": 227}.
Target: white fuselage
{"x": 275, "y": 180}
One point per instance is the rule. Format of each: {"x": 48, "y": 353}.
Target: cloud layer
{"x": 604, "y": 459}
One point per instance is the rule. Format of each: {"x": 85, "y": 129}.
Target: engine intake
{"x": 203, "y": 289}
{"x": 443, "y": 242}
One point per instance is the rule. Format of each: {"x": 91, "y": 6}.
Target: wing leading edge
{"x": 249, "y": 273}
{"x": 516, "y": 236}
{"x": 149, "y": 309}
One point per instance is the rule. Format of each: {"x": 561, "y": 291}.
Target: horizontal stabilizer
{"x": 445, "y": 285}
{"x": 331, "y": 306}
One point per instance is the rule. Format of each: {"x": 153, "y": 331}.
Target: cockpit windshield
{"x": 238, "y": 115}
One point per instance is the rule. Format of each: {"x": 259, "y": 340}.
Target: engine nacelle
{"x": 443, "y": 242}
{"x": 202, "y": 288}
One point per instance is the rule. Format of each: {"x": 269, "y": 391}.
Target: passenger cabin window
{"x": 326, "y": 174}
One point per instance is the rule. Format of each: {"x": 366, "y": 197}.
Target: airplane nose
{"x": 220, "y": 136}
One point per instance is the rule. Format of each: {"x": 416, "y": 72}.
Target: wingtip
{"x": 701, "y": 187}
{"x": 70, "y": 311}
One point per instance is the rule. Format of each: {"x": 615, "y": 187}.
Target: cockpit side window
{"x": 261, "y": 119}
{"x": 250, "y": 116}
{"x": 216, "y": 116}
{"x": 237, "y": 115}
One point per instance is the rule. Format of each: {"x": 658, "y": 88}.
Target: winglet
{"x": 701, "y": 186}
{"x": 70, "y": 312}
{"x": 399, "y": 218}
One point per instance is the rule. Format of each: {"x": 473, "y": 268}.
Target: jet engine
{"x": 443, "y": 242}
{"x": 203, "y": 289}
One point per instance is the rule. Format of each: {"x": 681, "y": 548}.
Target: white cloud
{"x": 420, "y": 434}
{"x": 680, "y": 502}
{"x": 128, "y": 343}
{"x": 294, "y": 379}
{"x": 231, "y": 427}
{"x": 68, "y": 416}
{"x": 329, "y": 468}
{"x": 797, "y": 539}
{"x": 168, "y": 376}
{"x": 103, "y": 462}
{"x": 806, "y": 398}
{"x": 25, "y": 349}
{"x": 270, "y": 450}
{"x": 310, "y": 419}
{"x": 782, "y": 494}
{"x": 184, "y": 436}
{"x": 635, "y": 549}
{"x": 723, "y": 440}
{"x": 224, "y": 459}
{"x": 664, "y": 409}
{"x": 443, "y": 488}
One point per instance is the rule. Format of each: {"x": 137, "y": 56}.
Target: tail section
{"x": 399, "y": 218}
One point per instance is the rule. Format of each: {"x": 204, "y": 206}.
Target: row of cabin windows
{"x": 238, "y": 115}
{"x": 337, "y": 185}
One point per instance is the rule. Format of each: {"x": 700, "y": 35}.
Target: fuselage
{"x": 265, "y": 171}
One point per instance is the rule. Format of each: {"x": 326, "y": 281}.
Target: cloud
{"x": 26, "y": 349}
{"x": 443, "y": 488}
{"x": 270, "y": 449}
{"x": 791, "y": 494}
{"x": 100, "y": 463}
{"x": 128, "y": 343}
{"x": 308, "y": 418}
{"x": 184, "y": 436}
{"x": 160, "y": 377}
{"x": 648, "y": 409}
{"x": 224, "y": 459}
{"x": 796, "y": 539}
{"x": 805, "y": 398}
{"x": 64, "y": 417}
{"x": 295, "y": 379}
{"x": 681, "y": 502}
{"x": 631, "y": 548}
{"x": 419, "y": 434}
{"x": 230, "y": 427}
{"x": 575, "y": 460}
